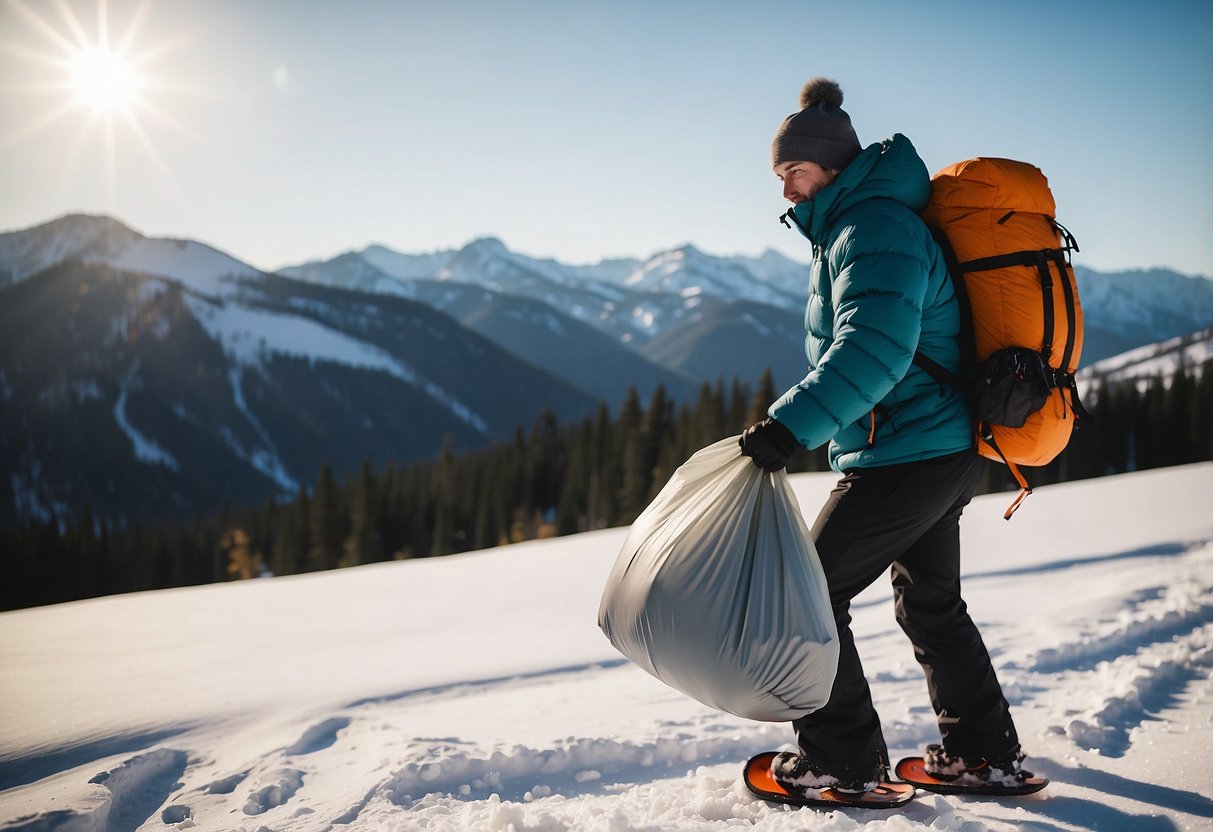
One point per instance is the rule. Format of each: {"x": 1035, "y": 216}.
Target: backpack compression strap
{"x": 986, "y": 432}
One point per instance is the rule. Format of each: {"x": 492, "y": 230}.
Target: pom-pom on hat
{"x": 821, "y": 132}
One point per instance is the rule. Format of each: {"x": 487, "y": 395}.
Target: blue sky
{"x": 287, "y": 130}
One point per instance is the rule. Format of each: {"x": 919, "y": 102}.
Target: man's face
{"x": 803, "y": 180}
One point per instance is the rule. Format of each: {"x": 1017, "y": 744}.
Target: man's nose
{"x": 788, "y": 189}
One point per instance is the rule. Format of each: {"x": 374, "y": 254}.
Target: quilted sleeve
{"x": 880, "y": 279}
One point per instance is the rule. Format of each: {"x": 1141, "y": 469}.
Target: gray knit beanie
{"x": 821, "y": 132}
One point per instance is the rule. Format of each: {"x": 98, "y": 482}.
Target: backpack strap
{"x": 1067, "y": 288}
{"x": 942, "y": 375}
{"x": 986, "y": 432}
{"x": 1068, "y": 383}
{"x": 965, "y": 338}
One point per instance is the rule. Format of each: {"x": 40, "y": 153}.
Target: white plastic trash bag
{"x": 718, "y": 591}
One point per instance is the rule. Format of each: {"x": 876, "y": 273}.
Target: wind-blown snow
{"x": 475, "y": 692}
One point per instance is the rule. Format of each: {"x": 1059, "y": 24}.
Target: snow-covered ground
{"x": 476, "y": 691}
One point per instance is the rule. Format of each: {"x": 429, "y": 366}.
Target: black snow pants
{"x": 905, "y": 518}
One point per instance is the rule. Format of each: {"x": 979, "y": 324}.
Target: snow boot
{"x": 1007, "y": 772}
{"x": 796, "y": 774}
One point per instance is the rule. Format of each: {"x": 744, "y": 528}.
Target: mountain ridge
{"x": 146, "y": 376}
{"x": 141, "y": 397}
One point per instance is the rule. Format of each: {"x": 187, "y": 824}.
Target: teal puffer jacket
{"x": 878, "y": 291}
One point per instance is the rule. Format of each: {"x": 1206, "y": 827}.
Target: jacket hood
{"x": 890, "y": 169}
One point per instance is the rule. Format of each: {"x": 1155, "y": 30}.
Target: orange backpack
{"x": 994, "y": 220}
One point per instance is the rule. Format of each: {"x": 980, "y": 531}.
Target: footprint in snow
{"x": 287, "y": 781}
{"x": 175, "y": 814}
{"x": 318, "y": 737}
{"x": 228, "y": 784}
{"x": 139, "y": 787}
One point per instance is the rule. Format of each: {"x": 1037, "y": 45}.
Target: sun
{"x": 112, "y": 81}
{"x": 103, "y": 80}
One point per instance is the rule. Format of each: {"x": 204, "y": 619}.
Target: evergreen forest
{"x": 552, "y": 479}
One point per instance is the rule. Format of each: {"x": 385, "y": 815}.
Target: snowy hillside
{"x": 1159, "y": 360}
{"x": 152, "y": 399}
{"x": 104, "y": 241}
{"x": 475, "y": 692}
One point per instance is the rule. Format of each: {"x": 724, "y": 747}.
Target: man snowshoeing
{"x": 879, "y": 290}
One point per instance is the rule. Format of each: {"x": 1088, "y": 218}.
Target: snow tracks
{"x": 1121, "y": 672}
{"x": 606, "y": 748}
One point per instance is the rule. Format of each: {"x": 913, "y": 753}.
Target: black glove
{"x": 769, "y": 444}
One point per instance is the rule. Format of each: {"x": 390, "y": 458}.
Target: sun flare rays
{"x": 105, "y": 78}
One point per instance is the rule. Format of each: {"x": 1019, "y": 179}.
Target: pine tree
{"x": 178, "y": 549}
{"x": 484, "y": 481}
{"x": 82, "y": 537}
{"x": 572, "y": 510}
{"x": 138, "y": 560}
{"x": 685, "y": 432}
{"x": 1178, "y": 441}
{"x": 288, "y": 555}
{"x": 709, "y": 420}
{"x": 326, "y": 534}
{"x": 738, "y": 409}
{"x": 601, "y": 488}
{"x": 546, "y": 460}
{"x": 660, "y": 446}
{"x": 443, "y": 495}
{"x": 630, "y": 456}
{"x": 1202, "y": 407}
{"x": 763, "y": 398}
{"x": 363, "y": 545}
{"x": 505, "y": 464}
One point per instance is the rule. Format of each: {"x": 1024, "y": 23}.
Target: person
{"x": 878, "y": 292}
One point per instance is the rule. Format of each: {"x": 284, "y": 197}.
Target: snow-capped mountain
{"x": 174, "y": 387}
{"x": 688, "y": 272}
{"x": 614, "y": 270}
{"x": 726, "y": 339}
{"x": 605, "y": 314}
{"x": 629, "y": 300}
{"x": 636, "y": 301}
{"x": 29, "y": 251}
{"x": 777, "y": 271}
{"x": 350, "y": 271}
{"x": 577, "y": 352}
{"x": 405, "y": 266}
{"x": 1129, "y": 309}
{"x": 100, "y": 240}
